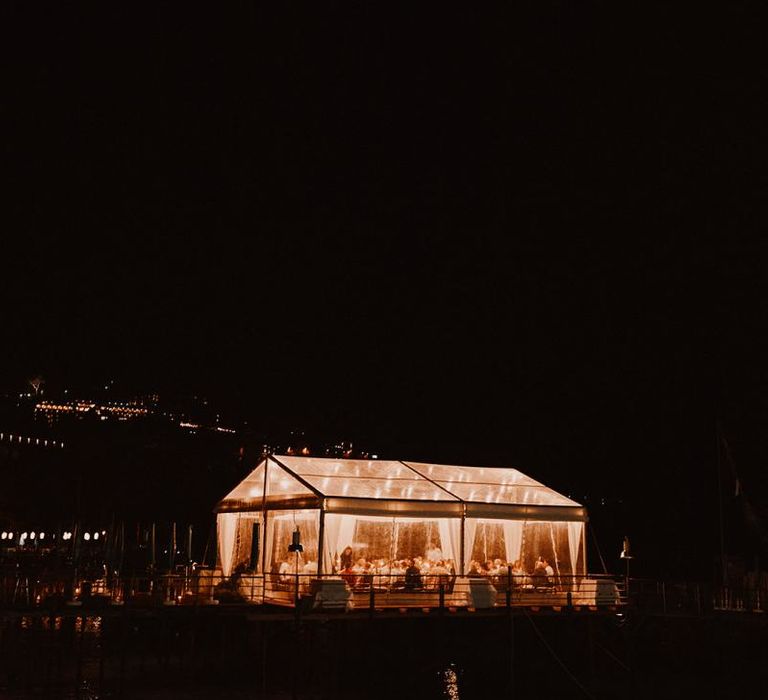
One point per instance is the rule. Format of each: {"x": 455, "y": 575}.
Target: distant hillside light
{"x": 87, "y": 536}
{"x": 95, "y": 535}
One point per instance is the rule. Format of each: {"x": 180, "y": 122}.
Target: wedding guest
{"x": 549, "y": 572}
{"x": 346, "y": 558}
{"x": 433, "y": 553}
{"x": 412, "y": 576}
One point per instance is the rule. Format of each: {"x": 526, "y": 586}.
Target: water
{"x": 207, "y": 654}
{"x": 450, "y": 679}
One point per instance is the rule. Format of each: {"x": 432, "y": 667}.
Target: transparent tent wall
{"x": 280, "y": 528}
{"x": 558, "y": 543}
{"x": 383, "y": 541}
{"x": 490, "y": 543}
{"x": 235, "y": 542}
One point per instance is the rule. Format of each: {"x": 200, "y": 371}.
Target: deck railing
{"x": 310, "y": 592}
{"x": 202, "y": 586}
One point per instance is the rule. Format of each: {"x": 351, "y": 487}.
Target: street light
{"x": 296, "y": 547}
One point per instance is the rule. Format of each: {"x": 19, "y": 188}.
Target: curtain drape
{"x": 575, "y": 536}
{"x": 346, "y": 535}
{"x": 226, "y": 526}
{"x": 339, "y": 533}
{"x": 513, "y": 539}
{"x": 269, "y": 541}
{"x": 330, "y": 536}
{"x": 470, "y": 528}
{"x": 450, "y": 539}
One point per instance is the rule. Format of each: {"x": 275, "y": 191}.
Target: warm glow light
{"x": 87, "y": 536}
{"x": 95, "y": 535}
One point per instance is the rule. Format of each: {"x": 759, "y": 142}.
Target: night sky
{"x": 529, "y": 239}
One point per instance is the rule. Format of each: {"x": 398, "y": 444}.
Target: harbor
{"x": 207, "y": 652}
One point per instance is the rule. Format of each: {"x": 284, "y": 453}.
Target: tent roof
{"x": 307, "y": 480}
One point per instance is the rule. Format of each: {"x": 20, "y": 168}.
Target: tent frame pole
{"x": 264, "y": 521}
{"x": 462, "y": 567}
{"x": 321, "y": 541}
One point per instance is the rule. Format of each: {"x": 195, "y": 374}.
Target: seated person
{"x": 549, "y": 572}
{"x": 518, "y": 573}
{"x": 285, "y": 571}
{"x": 381, "y": 574}
{"x": 440, "y": 576}
{"x": 539, "y": 575}
{"x": 433, "y": 553}
{"x": 475, "y": 570}
{"x": 309, "y": 568}
{"x": 412, "y": 577}
{"x": 398, "y": 574}
{"x": 361, "y": 568}
{"x": 308, "y": 572}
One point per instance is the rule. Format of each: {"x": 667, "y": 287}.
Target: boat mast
{"x": 723, "y": 564}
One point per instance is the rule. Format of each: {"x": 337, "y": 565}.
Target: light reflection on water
{"x": 83, "y": 677}
{"x": 450, "y": 682}
{"x": 54, "y": 622}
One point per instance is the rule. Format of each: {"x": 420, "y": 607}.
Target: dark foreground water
{"x": 219, "y": 653}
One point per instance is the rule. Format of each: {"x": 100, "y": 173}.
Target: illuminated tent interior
{"x": 388, "y": 511}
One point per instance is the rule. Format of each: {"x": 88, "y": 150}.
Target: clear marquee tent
{"x": 391, "y": 510}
